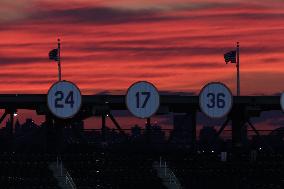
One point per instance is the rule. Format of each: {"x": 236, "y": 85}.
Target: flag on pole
{"x": 53, "y": 55}
{"x": 234, "y": 57}
{"x": 230, "y": 57}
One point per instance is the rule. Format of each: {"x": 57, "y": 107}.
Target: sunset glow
{"x": 108, "y": 46}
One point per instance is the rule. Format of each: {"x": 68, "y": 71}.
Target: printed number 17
{"x": 147, "y": 94}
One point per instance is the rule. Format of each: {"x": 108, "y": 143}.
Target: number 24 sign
{"x": 64, "y": 99}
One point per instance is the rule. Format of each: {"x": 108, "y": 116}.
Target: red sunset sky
{"x": 109, "y": 44}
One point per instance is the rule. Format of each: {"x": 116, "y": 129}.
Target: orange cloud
{"x": 106, "y": 47}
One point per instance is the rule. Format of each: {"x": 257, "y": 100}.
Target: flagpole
{"x": 59, "y": 61}
{"x": 238, "y": 69}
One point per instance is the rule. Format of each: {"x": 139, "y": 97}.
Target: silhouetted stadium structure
{"x": 62, "y": 154}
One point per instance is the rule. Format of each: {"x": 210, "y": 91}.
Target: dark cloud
{"x": 197, "y": 65}
{"x": 144, "y": 53}
{"x": 174, "y": 50}
{"x": 24, "y": 75}
{"x": 107, "y": 92}
{"x": 161, "y": 51}
{"x": 278, "y": 122}
{"x": 21, "y": 60}
{"x": 23, "y": 45}
{"x": 276, "y": 94}
{"x": 272, "y": 118}
{"x": 255, "y": 16}
{"x": 99, "y": 15}
{"x": 273, "y": 60}
{"x": 163, "y": 92}
{"x": 237, "y": 16}
{"x": 105, "y": 15}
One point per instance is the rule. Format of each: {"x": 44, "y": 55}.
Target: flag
{"x": 230, "y": 57}
{"x": 53, "y": 55}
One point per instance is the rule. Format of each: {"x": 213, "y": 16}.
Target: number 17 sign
{"x": 142, "y": 99}
{"x": 215, "y": 100}
{"x": 64, "y": 99}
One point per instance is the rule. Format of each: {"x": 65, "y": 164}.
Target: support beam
{"x": 116, "y": 123}
{"x": 223, "y": 127}
{"x": 253, "y": 128}
{"x": 261, "y": 138}
{"x": 3, "y": 117}
{"x": 220, "y": 130}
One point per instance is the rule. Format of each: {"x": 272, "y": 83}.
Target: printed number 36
{"x": 216, "y": 99}
{"x": 60, "y": 96}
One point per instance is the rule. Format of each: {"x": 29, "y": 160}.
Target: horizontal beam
{"x": 175, "y": 103}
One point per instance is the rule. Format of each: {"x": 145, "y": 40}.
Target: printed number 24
{"x": 68, "y": 100}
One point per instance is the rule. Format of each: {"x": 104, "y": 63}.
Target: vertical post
{"x": 148, "y": 121}
{"x": 58, "y": 127}
{"x": 236, "y": 131}
{"x": 193, "y": 130}
{"x": 11, "y": 122}
{"x": 165, "y": 168}
{"x": 238, "y": 69}
{"x": 49, "y": 136}
{"x": 239, "y": 130}
{"x": 61, "y": 169}
{"x": 59, "y": 61}
{"x": 103, "y": 127}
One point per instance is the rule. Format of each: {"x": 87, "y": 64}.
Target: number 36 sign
{"x": 64, "y": 99}
{"x": 215, "y": 100}
{"x": 142, "y": 99}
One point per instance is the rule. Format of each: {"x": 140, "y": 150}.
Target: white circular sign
{"x": 282, "y": 101}
{"x": 215, "y": 100}
{"x": 142, "y": 99}
{"x": 64, "y": 99}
